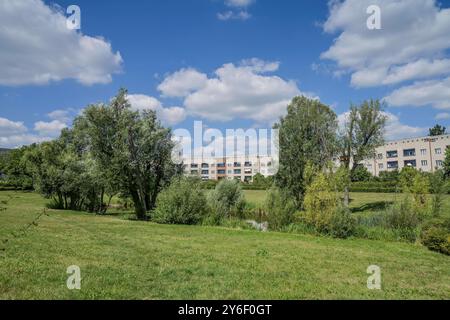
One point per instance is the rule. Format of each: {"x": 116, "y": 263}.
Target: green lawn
{"x": 138, "y": 260}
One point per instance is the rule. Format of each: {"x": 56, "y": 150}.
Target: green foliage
{"x": 306, "y": 134}
{"x": 16, "y": 170}
{"x": 323, "y": 209}
{"x": 262, "y": 183}
{"x": 435, "y": 236}
{"x": 226, "y": 201}
{"x": 279, "y": 208}
{"x": 402, "y": 215}
{"x": 437, "y": 130}
{"x": 418, "y": 185}
{"x": 446, "y": 164}
{"x": 183, "y": 202}
{"x": 361, "y": 174}
{"x": 374, "y": 186}
{"x": 389, "y": 176}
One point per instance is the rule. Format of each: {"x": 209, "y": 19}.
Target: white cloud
{"x": 52, "y": 128}
{"x": 169, "y": 116}
{"x": 442, "y": 116}
{"x": 433, "y": 92}
{"x": 15, "y": 134}
{"x": 394, "y": 129}
{"x": 60, "y": 115}
{"x": 36, "y": 48}
{"x": 231, "y": 15}
{"x": 411, "y": 44}
{"x": 182, "y": 82}
{"x": 243, "y": 91}
{"x": 9, "y": 128}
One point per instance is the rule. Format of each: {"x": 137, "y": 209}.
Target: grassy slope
{"x": 137, "y": 260}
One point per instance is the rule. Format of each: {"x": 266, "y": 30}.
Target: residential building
{"x": 425, "y": 154}
{"x": 238, "y": 168}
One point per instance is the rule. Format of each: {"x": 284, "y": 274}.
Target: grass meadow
{"x": 123, "y": 259}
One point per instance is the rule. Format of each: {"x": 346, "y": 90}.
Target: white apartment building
{"x": 426, "y": 154}
{"x": 238, "y": 168}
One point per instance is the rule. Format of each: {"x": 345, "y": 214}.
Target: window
{"x": 205, "y": 165}
{"x": 438, "y": 151}
{"x": 369, "y": 167}
{"x": 194, "y": 172}
{"x": 439, "y": 163}
{"x": 381, "y": 166}
{"x": 221, "y": 165}
{"x": 237, "y": 171}
{"x": 424, "y": 163}
{"x": 230, "y": 171}
{"x": 410, "y": 163}
{"x": 380, "y": 156}
{"x": 194, "y": 165}
{"x": 205, "y": 172}
{"x": 423, "y": 152}
{"x": 409, "y": 152}
{"x": 221, "y": 171}
{"x": 392, "y": 165}
{"x": 248, "y": 164}
{"x": 213, "y": 171}
{"x": 392, "y": 154}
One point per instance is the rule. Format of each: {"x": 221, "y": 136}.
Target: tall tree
{"x": 306, "y": 134}
{"x": 363, "y": 132}
{"x": 132, "y": 149}
{"x": 437, "y": 130}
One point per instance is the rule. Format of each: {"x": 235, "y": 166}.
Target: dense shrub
{"x": 401, "y": 215}
{"x": 323, "y": 209}
{"x": 226, "y": 200}
{"x": 435, "y": 236}
{"x": 183, "y": 202}
{"x": 374, "y": 187}
{"x": 279, "y": 209}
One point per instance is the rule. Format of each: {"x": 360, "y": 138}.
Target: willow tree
{"x": 362, "y": 133}
{"x": 307, "y": 134}
{"x": 132, "y": 149}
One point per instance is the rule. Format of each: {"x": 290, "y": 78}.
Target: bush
{"x": 183, "y": 202}
{"x": 374, "y": 186}
{"x": 279, "y": 209}
{"x": 226, "y": 201}
{"x": 435, "y": 236}
{"x": 402, "y": 215}
{"x": 324, "y": 211}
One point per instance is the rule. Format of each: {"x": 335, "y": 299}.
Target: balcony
{"x": 392, "y": 154}
{"x": 409, "y": 153}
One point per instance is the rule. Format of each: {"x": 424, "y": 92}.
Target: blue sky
{"x": 230, "y": 63}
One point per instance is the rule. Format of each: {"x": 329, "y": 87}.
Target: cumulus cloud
{"x": 52, "y": 128}
{"x": 442, "y": 116}
{"x": 36, "y": 48}
{"x": 15, "y": 134}
{"x": 169, "y": 116}
{"x": 432, "y": 92}
{"x": 182, "y": 83}
{"x": 243, "y": 91}
{"x": 411, "y": 45}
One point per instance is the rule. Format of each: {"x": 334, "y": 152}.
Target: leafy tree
{"x": 17, "y": 171}
{"x": 362, "y": 134}
{"x": 260, "y": 181}
{"x": 306, "y": 134}
{"x": 132, "y": 149}
{"x": 280, "y": 209}
{"x": 360, "y": 174}
{"x": 226, "y": 201}
{"x": 437, "y": 130}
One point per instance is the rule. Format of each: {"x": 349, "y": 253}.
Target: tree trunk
{"x": 139, "y": 205}
{"x": 346, "y": 196}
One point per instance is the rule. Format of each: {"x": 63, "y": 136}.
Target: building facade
{"x": 237, "y": 168}
{"x": 425, "y": 154}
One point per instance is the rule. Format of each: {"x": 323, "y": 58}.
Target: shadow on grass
{"x": 374, "y": 206}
